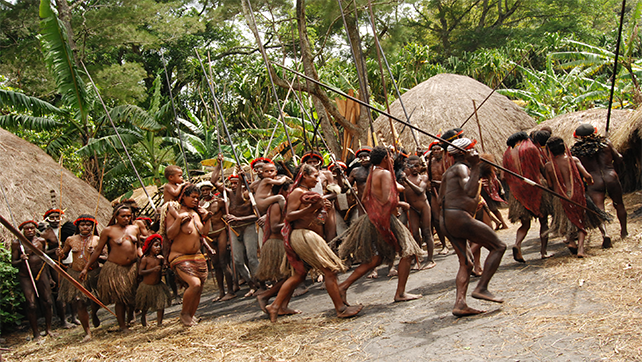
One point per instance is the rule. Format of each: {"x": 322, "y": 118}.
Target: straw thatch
{"x": 564, "y": 125}
{"x": 625, "y": 129}
{"x": 445, "y": 101}
{"x": 28, "y": 176}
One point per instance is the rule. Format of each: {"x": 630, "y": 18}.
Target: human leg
{"x": 81, "y": 307}
{"x": 143, "y": 317}
{"x": 46, "y": 300}
{"x": 238, "y": 252}
{"x": 426, "y": 235}
{"x": 543, "y": 237}
{"x": 31, "y": 309}
{"x": 475, "y": 249}
{"x": 404, "y": 271}
{"x": 224, "y": 265}
{"x": 521, "y": 234}
{"x": 360, "y": 271}
{"x": 159, "y": 317}
{"x": 191, "y": 297}
{"x": 332, "y": 287}
{"x": 614, "y": 188}
{"x": 284, "y": 294}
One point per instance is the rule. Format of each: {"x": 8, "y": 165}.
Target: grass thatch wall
{"x": 445, "y": 101}
{"x": 625, "y": 130}
{"x": 28, "y": 175}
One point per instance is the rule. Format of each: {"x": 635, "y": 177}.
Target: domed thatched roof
{"x": 564, "y": 125}
{"x": 445, "y": 101}
{"x": 28, "y": 176}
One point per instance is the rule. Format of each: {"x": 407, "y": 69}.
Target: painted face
{"x": 156, "y": 247}
{"x": 310, "y": 180}
{"x": 124, "y": 217}
{"x": 85, "y": 227}
{"x": 364, "y": 159}
{"x": 191, "y": 201}
{"x": 313, "y": 161}
{"x": 438, "y": 152}
{"x": 29, "y": 230}
{"x": 53, "y": 219}
{"x": 269, "y": 170}
{"x": 206, "y": 192}
{"x": 413, "y": 166}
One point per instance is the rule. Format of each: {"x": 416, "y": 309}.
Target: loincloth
{"x": 117, "y": 283}
{"x": 313, "y": 250}
{"x": 68, "y": 292}
{"x": 273, "y": 264}
{"x": 191, "y": 264}
{"x": 517, "y": 211}
{"x": 153, "y": 297}
{"x": 361, "y": 242}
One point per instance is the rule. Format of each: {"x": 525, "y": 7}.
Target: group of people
{"x": 322, "y": 220}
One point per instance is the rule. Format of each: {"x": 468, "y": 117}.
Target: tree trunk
{"x": 64, "y": 13}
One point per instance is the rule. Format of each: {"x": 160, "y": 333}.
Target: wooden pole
{"x": 481, "y": 138}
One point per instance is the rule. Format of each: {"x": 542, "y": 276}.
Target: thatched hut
{"x": 28, "y": 179}
{"x": 445, "y": 101}
{"x": 625, "y": 130}
{"x": 564, "y": 125}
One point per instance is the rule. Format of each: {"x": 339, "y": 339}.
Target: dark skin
{"x": 459, "y": 194}
{"x": 304, "y": 216}
{"x": 122, "y": 240}
{"x": 419, "y": 215}
{"x": 436, "y": 169}
{"x": 151, "y": 269}
{"x": 220, "y": 242}
{"x": 172, "y": 189}
{"x": 563, "y": 162}
{"x": 381, "y": 185}
{"x": 52, "y": 244}
{"x": 43, "y": 283}
{"x": 82, "y": 246}
{"x": 359, "y": 175}
{"x": 602, "y": 168}
{"x": 263, "y": 194}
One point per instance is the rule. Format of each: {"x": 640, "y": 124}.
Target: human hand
{"x": 589, "y": 180}
{"x": 472, "y": 157}
{"x": 83, "y": 275}
{"x": 24, "y": 257}
{"x": 185, "y": 218}
{"x": 261, "y": 221}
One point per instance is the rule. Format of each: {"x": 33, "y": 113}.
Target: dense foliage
{"x": 11, "y": 296}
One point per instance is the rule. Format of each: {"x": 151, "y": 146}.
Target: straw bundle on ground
{"x": 28, "y": 176}
{"x": 625, "y": 131}
{"x": 445, "y": 101}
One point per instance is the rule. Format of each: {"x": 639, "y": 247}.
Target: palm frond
{"x": 21, "y": 102}
{"x": 14, "y": 121}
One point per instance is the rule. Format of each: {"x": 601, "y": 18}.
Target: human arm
{"x": 587, "y": 176}
{"x": 174, "y": 225}
{"x": 469, "y": 182}
{"x": 617, "y": 157}
{"x": 16, "y": 255}
{"x": 233, "y": 219}
{"x": 549, "y": 175}
{"x": 102, "y": 241}
{"x": 64, "y": 251}
{"x": 276, "y": 220}
{"x": 294, "y": 202}
{"x": 417, "y": 189}
{"x": 142, "y": 268}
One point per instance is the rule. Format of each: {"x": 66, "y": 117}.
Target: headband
{"x": 51, "y": 211}
{"x": 81, "y": 219}
{"x": 260, "y": 159}
{"x": 146, "y": 219}
{"x": 363, "y": 149}
{"x": 230, "y": 177}
{"x": 464, "y": 143}
{"x": 27, "y": 222}
{"x": 311, "y": 155}
{"x": 338, "y": 163}
{"x": 150, "y": 240}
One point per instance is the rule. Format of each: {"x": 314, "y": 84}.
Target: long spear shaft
{"x": 178, "y": 126}
{"x": 229, "y": 137}
{"x": 149, "y": 198}
{"x": 22, "y": 247}
{"x": 617, "y": 56}
{"x": 528, "y": 181}
{"x": 394, "y": 82}
{"x": 51, "y": 262}
{"x": 267, "y": 67}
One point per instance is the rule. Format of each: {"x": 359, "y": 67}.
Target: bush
{"x": 11, "y": 297}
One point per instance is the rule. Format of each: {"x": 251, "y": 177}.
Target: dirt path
{"x": 542, "y": 319}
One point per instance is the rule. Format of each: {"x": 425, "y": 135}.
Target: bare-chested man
{"x": 118, "y": 276}
{"x": 419, "y": 215}
{"x": 359, "y": 175}
{"x": 459, "y": 192}
{"x": 81, "y": 245}
{"x": 305, "y": 247}
{"x": 599, "y": 158}
{"x": 184, "y": 252}
{"x": 435, "y": 170}
{"x": 379, "y": 236}
{"x": 43, "y": 284}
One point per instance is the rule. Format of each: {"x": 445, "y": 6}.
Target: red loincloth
{"x": 575, "y": 192}
{"x": 529, "y": 165}
{"x": 379, "y": 213}
{"x": 491, "y": 187}
{"x": 191, "y": 264}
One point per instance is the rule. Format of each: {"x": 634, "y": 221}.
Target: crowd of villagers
{"x": 321, "y": 220}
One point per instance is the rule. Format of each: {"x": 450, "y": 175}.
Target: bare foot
{"x": 95, "y": 321}
{"x": 262, "y": 302}
{"x": 67, "y": 325}
{"x": 250, "y": 293}
{"x": 300, "y": 290}
{"x": 178, "y": 300}
{"x": 476, "y": 273}
{"x": 606, "y": 242}
{"x": 486, "y": 295}
{"x": 393, "y": 272}
{"x": 581, "y": 255}
{"x": 406, "y": 297}
{"x": 186, "y": 320}
{"x": 51, "y": 334}
{"x": 547, "y": 255}
{"x": 288, "y": 311}
{"x": 349, "y": 311}
{"x": 517, "y": 255}
{"x": 444, "y": 251}
{"x": 428, "y": 265}
{"x": 75, "y": 321}
{"x": 273, "y": 313}
{"x": 373, "y": 274}
{"x": 344, "y": 297}
{"x": 236, "y": 288}
{"x": 228, "y": 296}
{"x": 220, "y": 296}
{"x": 86, "y": 339}
{"x": 466, "y": 311}
{"x": 624, "y": 234}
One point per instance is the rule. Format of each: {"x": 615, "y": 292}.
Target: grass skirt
{"x": 272, "y": 259}
{"x": 68, "y": 293}
{"x": 563, "y": 226}
{"x": 517, "y": 211}
{"x": 153, "y": 297}
{"x": 117, "y": 283}
{"x": 362, "y": 241}
{"x": 313, "y": 250}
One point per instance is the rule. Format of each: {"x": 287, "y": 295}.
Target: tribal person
{"x": 526, "y": 202}
{"x": 599, "y": 158}
{"x": 419, "y": 215}
{"x": 437, "y": 166}
{"x": 379, "y": 236}
{"x": 40, "y": 275}
{"x": 459, "y": 193}
{"x": 359, "y": 175}
{"x": 263, "y": 195}
{"x": 117, "y": 279}
{"x": 564, "y": 174}
{"x": 305, "y": 247}
{"x": 82, "y": 246}
{"x": 152, "y": 293}
{"x": 184, "y": 249}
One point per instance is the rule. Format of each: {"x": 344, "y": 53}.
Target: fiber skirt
{"x": 117, "y": 283}
{"x": 68, "y": 293}
{"x": 153, "y": 297}
{"x": 271, "y": 262}
{"x": 314, "y": 251}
